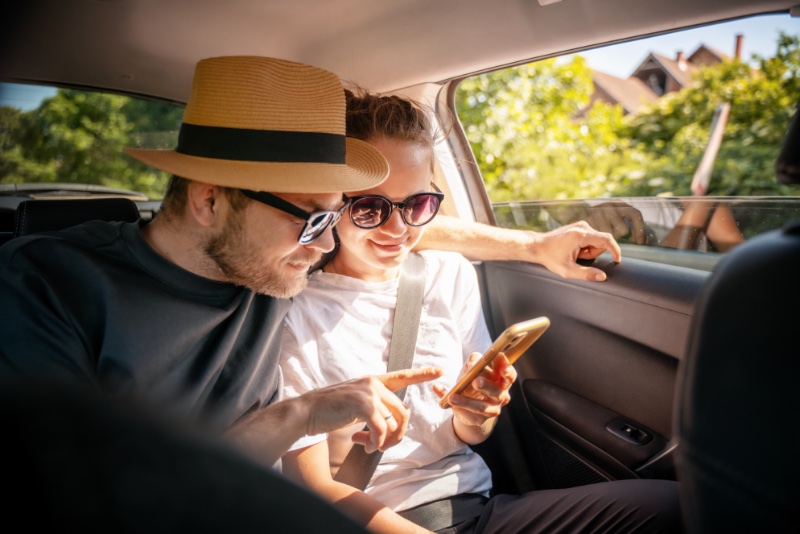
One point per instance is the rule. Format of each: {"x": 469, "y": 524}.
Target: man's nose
{"x": 325, "y": 242}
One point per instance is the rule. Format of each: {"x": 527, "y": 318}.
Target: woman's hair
{"x": 373, "y": 116}
{"x": 369, "y": 116}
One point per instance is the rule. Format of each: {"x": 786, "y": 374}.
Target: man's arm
{"x": 558, "y": 250}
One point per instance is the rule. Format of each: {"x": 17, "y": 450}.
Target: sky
{"x": 760, "y": 36}
{"x": 23, "y": 98}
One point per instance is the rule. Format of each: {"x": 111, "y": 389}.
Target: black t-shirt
{"x": 94, "y": 306}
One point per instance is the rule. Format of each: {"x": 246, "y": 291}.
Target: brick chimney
{"x": 679, "y": 59}
{"x": 737, "y": 53}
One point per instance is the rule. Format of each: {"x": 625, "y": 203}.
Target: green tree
{"x": 9, "y": 125}
{"x": 78, "y": 137}
{"x": 533, "y": 141}
{"x": 673, "y": 134}
{"x": 532, "y": 136}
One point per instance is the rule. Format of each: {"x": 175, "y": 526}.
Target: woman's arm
{"x": 558, "y": 250}
{"x": 310, "y": 466}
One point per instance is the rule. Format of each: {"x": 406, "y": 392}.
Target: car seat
{"x": 737, "y": 406}
{"x": 33, "y": 216}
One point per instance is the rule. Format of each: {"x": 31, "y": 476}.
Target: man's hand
{"x": 476, "y": 409}
{"x": 269, "y": 432}
{"x": 369, "y": 399}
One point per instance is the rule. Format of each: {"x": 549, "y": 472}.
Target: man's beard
{"x": 241, "y": 265}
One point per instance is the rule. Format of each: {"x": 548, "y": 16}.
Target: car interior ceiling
{"x": 529, "y": 31}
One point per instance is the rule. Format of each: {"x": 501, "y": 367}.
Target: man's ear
{"x": 203, "y": 202}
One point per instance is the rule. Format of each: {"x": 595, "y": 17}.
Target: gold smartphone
{"x": 513, "y": 342}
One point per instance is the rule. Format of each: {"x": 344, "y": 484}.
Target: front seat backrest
{"x": 35, "y": 216}
{"x": 738, "y": 405}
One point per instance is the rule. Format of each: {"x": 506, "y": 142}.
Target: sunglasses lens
{"x": 421, "y": 209}
{"x": 316, "y": 225}
{"x": 370, "y": 212}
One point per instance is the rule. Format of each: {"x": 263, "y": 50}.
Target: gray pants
{"x": 611, "y": 507}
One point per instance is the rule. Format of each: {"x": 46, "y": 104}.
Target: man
{"x": 185, "y": 312}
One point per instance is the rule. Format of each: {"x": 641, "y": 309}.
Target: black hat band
{"x": 260, "y": 145}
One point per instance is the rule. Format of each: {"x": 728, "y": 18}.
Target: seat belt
{"x": 447, "y": 512}
{"x": 358, "y": 466}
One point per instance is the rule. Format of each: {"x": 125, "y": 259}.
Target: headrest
{"x": 35, "y": 216}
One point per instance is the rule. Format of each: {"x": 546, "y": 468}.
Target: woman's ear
{"x": 203, "y": 202}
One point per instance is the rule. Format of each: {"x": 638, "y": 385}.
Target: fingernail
{"x": 600, "y": 277}
{"x": 481, "y": 382}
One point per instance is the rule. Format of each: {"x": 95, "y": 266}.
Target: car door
{"x": 595, "y": 394}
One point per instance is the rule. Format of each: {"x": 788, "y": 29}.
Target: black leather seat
{"x": 35, "y": 216}
{"x": 738, "y": 408}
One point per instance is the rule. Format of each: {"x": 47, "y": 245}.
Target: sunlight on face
{"x": 377, "y": 254}
{"x": 257, "y": 248}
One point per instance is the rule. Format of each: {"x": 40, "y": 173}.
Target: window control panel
{"x": 629, "y": 431}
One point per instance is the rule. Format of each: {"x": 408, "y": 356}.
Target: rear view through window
{"x": 71, "y": 140}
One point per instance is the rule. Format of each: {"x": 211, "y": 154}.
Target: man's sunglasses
{"x": 371, "y": 211}
{"x": 316, "y": 223}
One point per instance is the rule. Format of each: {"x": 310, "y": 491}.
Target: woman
{"x": 339, "y": 328}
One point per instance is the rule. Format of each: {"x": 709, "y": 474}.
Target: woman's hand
{"x": 476, "y": 409}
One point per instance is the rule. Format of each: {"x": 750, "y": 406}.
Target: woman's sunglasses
{"x": 371, "y": 211}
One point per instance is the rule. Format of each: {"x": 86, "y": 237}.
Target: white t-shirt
{"x": 339, "y": 328}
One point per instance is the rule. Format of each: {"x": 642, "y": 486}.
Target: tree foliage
{"x": 533, "y": 142}
{"x": 78, "y": 137}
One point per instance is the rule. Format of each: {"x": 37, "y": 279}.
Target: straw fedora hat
{"x": 267, "y": 124}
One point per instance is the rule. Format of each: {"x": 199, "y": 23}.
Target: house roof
{"x": 634, "y": 92}
{"x": 631, "y": 93}
{"x": 681, "y": 73}
{"x": 720, "y": 56}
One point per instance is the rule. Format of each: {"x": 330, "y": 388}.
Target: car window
{"x": 680, "y": 129}
{"x": 64, "y": 141}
